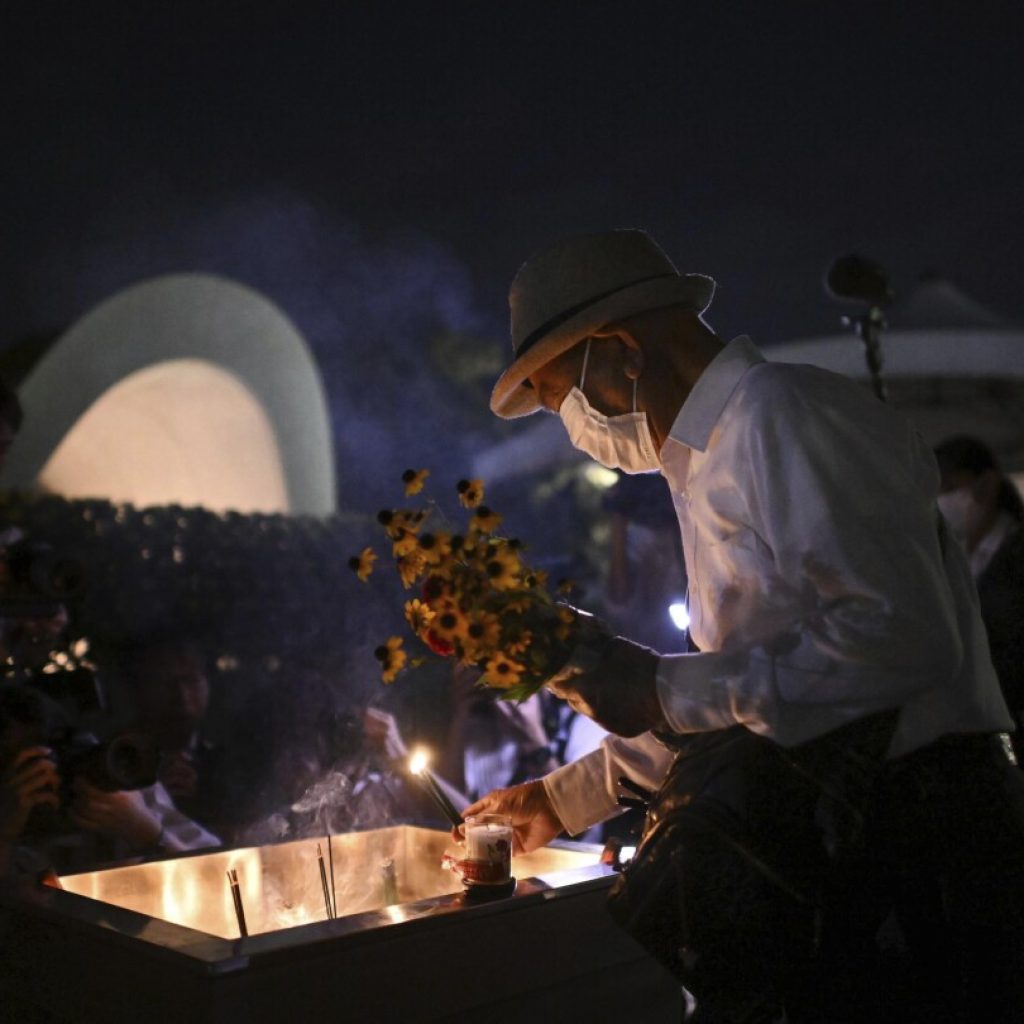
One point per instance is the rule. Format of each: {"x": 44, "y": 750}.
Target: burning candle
{"x": 488, "y": 849}
{"x": 418, "y": 767}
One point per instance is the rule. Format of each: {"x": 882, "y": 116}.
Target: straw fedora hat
{"x": 566, "y": 292}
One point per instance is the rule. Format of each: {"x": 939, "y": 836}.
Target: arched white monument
{"x": 187, "y": 389}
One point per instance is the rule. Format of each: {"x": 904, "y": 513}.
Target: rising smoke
{"x": 369, "y": 309}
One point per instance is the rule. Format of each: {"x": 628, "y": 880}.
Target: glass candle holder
{"x": 488, "y": 857}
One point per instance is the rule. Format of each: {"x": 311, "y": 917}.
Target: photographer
{"x": 65, "y": 796}
{"x": 58, "y": 810}
{"x": 28, "y": 776}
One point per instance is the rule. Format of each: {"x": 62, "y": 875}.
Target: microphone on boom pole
{"x": 855, "y": 278}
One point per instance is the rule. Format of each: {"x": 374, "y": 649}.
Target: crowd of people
{"x": 285, "y": 770}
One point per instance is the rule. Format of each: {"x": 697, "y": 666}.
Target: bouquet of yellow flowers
{"x": 478, "y": 601}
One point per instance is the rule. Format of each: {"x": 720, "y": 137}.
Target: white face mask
{"x": 961, "y": 510}
{"x": 617, "y": 442}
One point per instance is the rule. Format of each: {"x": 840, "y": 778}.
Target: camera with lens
{"x": 125, "y": 761}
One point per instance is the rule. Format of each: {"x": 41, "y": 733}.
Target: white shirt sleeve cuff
{"x": 691, "y": 697}
{"x": 579, "y": 794}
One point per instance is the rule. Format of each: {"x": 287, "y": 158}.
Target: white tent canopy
{"x": 949, "y": 363}
{"x": 936, "y": 331}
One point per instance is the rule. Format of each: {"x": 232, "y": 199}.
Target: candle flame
{"x": 418, "y": 762}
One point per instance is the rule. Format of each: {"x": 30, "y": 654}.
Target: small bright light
{"x": 679, "y": 614}
{"x": 418, "y": 761}
{"x": 600, "y": 477}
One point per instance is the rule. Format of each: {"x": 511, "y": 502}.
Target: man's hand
{"x": 31, "y": 779}
{"x": 179, "y": 776}
{"x": 123, "y": 815}
{"x": 620, "y": 693}
{"x": 534, "y": 822}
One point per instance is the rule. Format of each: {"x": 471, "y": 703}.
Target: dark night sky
{"x": 376, "y": 156}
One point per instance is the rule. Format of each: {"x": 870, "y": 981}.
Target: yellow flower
{"x": 502, "y": 569}
{"x": 473, "y": 595}
{"x": 410, "y": 568}
{"x": 398, "y": 522}
{"x": 362, "y": 565}
{"x": 470, "y": 550}
{"x": 519, "y": 645}
{"x": 484, "y": 520}
{"x": 482, "y": 634}
{"x": 405, "y": 543}
{"x": 450, "y": 624}
{"x": 437, "y": 591}
{"x": 418, "y": 615}
{"x": 414, "y": 480}
{"x": 537, "y": 579}
{"x": 471, "y": 492}
{"x": 502, "y": 672}
{"x": 391, "y": 657}
{"x": 435, "y": 547}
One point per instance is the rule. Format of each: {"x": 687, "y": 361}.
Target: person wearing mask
{"x": 833, "y": 756}
{"x": 985, "y": 512}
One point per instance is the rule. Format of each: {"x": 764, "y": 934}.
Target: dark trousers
{"x": 930, "y": 925}
{"x": 830, "y": 885}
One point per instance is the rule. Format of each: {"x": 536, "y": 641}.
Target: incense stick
{"x": 236, "y": 896}
{"x": 323, "y": 882}
{"x": 330, "y": 861}
{"x": 440, "y": 797}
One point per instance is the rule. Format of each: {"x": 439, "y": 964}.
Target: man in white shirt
{"x": 821, "y": 591}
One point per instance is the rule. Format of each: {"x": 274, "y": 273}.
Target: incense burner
{"x": 160, "y": 941}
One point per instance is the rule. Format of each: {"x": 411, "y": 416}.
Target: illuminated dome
{"x": 187, "y": 389}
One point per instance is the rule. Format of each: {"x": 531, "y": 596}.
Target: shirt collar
{"x": 714, "y": 388}
{"x": 986, "y": 548}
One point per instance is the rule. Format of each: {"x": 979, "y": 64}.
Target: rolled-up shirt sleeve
{"x": 585, "y": 792}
